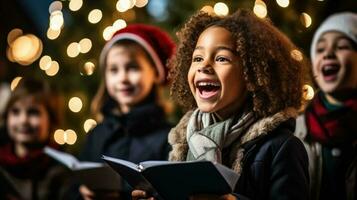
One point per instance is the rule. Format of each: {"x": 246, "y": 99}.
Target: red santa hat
{"x": 156, "y": 42}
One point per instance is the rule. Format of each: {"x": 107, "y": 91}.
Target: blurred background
{"x": 60, "y": 41}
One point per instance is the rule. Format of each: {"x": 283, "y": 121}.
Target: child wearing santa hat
{"x": 328, "y": 127}
{"x": 133, "y": 125}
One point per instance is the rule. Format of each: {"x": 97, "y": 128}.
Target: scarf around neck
{"x": 332, "y": 126}
{"x": 206, "y": 136}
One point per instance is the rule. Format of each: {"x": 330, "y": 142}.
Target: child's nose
{"x": 23, "y": 117}
{"x": 329, "y": 53}
{"x": 207, "y": 69}
{"x": 123, "y": 76}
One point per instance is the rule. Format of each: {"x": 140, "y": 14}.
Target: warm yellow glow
{"x": 53, "y": 34}
{"x": 70, "y": 136}
{"x": 260, "y": 9}
{"x": 75, "y": 104}
{"x": 54, "y": 6}
{"x": 207, "y": 9}
{"x": 85, "y": 45}
{"x": 119, "y": 24}
{"x": 59, "y": 136}
{"x": 26, "y": 49}
{"x": 296, "y": 55}
{"x": 73, "y": 49}
{"x": 95, "y": 16}
{"x": 283, "y": 3}
{"x": 221, "y": 9}
{"x": 75, "y": 5}
{"x": 9, "y": 54}
{"x": 108, "y": 33}
{"x": 124, "y": 5}
{"x": 13, "y": 34}
{"x": 15, "y": 82}
{"x": 56, "y": 20}
{"x": 308, "y": 92}
{"x": 305, "y": 19}
{"x": 89, "y": 68}
{"x": 89, "y": 124}
{"x": 141, "y": 3}
{"x": 129, "y": 15}
{"x": 45, "y": 62}
{"x": 53, "y": 70}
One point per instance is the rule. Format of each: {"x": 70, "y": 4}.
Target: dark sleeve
{"x": 289, "y": 172}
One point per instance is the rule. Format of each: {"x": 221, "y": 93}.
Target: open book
{"x": 167, "y": 180}
{"x": 97, "y": 176}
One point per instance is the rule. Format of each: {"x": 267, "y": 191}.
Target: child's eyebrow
{"x": 217, "y": 48}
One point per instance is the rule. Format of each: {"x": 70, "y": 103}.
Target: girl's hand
{"x": 86, "y": 193}
{"x": 212, "y": 197}
{"x": 140, "y": 194}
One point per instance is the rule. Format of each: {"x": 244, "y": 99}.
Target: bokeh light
{"x": 53, "y": 70}
{"x": 73, "y": 49}
{"x": 85, "y": 45}
{"x": 70, "y": 136}
{"x": 26, "y": 49}
{"x": 75, "y": 5}
{"x": 45, "y": 62}
{"x": 15, "y": 82}
{"x": 305, "y": 19}
{"x": 89, "y": 124}
{"x": 95, "y": 16}
{"x": 59, "y": 136}
{"x": 308, "y": 92}
{"x": 260, "y": 9}
{"x": 141, "y": 3}
{"x": 296, "y": 55}
{"x": 221, "y": 8}
{"x": 13, "y": 34}
{"x": 75, "y": 104}
{"x": 283, "y": 3}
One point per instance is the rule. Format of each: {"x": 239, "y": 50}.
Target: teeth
{"x": 208, "y": 84}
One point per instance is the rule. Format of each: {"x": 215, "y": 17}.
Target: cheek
{"x": 190, "y": 78}
{"x": 11, "y": 122}
{"x": 43, "y": 125}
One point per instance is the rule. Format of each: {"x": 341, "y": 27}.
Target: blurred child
{"x": 134, "y": 126}
{"x": 26, "y": 173}
{"x": 243, "y": 87}
{"x": 328, "y": 126}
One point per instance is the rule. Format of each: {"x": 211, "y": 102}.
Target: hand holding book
{"x": 167, "y": 180}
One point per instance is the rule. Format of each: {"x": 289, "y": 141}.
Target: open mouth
{"x": 208, "y": 89}
{"x": 330, "y": 72}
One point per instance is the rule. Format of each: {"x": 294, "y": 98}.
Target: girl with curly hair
{"x": 242, "y": 88}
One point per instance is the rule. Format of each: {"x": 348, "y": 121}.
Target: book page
{"x": 69, "y": 160}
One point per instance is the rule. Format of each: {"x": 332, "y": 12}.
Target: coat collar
{"x": 264, "y": 126}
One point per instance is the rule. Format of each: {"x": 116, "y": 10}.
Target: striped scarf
{"x": 206, "y": 136}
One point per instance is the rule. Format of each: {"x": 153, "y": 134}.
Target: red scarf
{"x": 332, "y": 127}
{"x": 30, "y": 166}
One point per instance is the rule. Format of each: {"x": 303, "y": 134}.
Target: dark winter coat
{"x": 271, "y": 161}
{"x": 137, "y": 136}
{"x": 36, "y": 178}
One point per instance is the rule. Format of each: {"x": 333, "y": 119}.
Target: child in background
{"x": 26, "y": 173}
{"x": 134, "y": 127}
{"x": 243, "y": 88}
{"x": 328, "y": 127}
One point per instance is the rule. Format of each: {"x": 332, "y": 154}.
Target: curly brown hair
{"x": 273, "y": 74}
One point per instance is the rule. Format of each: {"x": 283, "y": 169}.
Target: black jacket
{"x": 137, "y": 136}
{"x": 275, "y": 167}
{"x": 271, "y": 161}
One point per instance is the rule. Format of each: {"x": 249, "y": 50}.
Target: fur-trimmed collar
{"x": 264, "y": 126}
